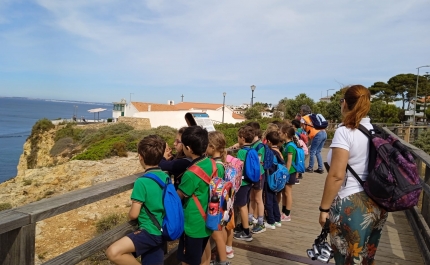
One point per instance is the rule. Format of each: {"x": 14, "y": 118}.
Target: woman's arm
{"x": 334, "y": 180}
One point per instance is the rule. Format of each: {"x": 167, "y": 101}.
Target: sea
{"x": 18, "y": 115}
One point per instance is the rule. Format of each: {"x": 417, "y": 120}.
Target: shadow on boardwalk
{"x": 288, "y": 244}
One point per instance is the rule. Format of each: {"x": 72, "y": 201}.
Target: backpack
{"x": 303, "y": 146}
{"x": 299, "y": 162}
{"x": 277, "y": 180}
{"x": 173, "y": 219}
{"x": 268, "y": 155}
{"x": 303, "y": 136}
{"x": 219, "y": 197}
{"x": 251, "y": 165}
{"x": 233, "y": 171}
{"x": 393, "y": 181}
{"x": 318, "y": 121}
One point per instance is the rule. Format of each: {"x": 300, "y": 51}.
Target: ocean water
{"x": 18, "y": 115}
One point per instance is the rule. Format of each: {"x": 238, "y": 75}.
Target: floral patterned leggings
{"x": 355, "y": 230}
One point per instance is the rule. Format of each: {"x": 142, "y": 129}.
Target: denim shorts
{"x": 149, "y": 247}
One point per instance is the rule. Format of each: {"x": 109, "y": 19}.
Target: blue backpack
{"x": 251, "y": 169}
{"x": 173, "y": 219}
{"x": 268, "y": 155}
{"x": 318, "y": 121}
{"x": 279, "y": 178}
{"x": 299, "y": 163}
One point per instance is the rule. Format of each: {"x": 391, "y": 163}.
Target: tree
{"x": 260, "y": 106}
{"x": 383, "y": 92}
{"x": 386, "y": 113}
{"x": 404, "y": 85}
{"x": 291, "y": 107}
{"x": 428, "y": 114}
{"x": 252, "y": 113}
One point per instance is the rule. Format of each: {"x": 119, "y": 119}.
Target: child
{"x": 245, "y": 136}
{"x": 289, "y": 154}
{"x": 216, "y": 151}
{"x": 146, "y": 241}
{"x": 193, "y": 242}
{"x": 273, "y": 216}
{"x": 177, "y": 166}
{"x": 256, "y": 206}
{"x": 297, "y": 127}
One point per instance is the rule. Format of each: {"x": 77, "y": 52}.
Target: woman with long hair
{"x": 356, "y": 221}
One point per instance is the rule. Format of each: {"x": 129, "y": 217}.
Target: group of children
{"x": 196, "y": 148}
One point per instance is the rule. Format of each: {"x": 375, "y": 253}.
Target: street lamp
{"x": 328, "y": 91}
{"x": 223, "y": 106}
{"x": 252, "y": 95}
{"x": 416, "y": 90}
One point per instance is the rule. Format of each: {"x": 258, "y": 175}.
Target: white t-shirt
{"x": 357, "y": 144}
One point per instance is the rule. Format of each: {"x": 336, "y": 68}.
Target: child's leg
{"x": 120, "y": 252}
{"x": 220, "y": 239}
{"x": 252, "y": 206}
{"x": 289, "y": 204}
{"x": 206, "y": 257}
{"x": 279, "y": 197}
{"x": 270, "y": 196}
{"x": 275, "y": 209}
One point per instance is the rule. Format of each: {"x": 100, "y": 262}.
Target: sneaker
{"x": 270, "y": 226}
{"x": 309, "y": 170}
{"x": 285, "y": 218}
{"x": 230, "y": 254}
{"x": 258, "y": 229}
{"x": 297, "y": 181}
{"x": 243, "y": 236}
{"x": 238, "y": 228}
{"x": 223, "y": 263}
{"x": 253, "y": 222}
{"x": 278, "y": 224}
{"x": 300, "y": 176}
{"x": 319, "y": 170}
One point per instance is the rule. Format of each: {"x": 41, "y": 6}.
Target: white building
{"x": 172, "y": 114}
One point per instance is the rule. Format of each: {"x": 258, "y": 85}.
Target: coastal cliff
{"x": 51, "y": 176}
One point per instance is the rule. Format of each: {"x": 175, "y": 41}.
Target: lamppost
{"x": 223, "y": 106}
{"x": 328, "y": 91}
{"x": 416, "y": 90}
{"x": 252, "y": 95}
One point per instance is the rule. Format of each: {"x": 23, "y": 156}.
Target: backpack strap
{"x": 150, "y": 215}
{"x": 205, "y": 177}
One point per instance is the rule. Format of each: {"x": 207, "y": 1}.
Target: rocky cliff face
{"x": 55, "y": 176}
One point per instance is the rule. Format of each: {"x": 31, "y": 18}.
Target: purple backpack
{"x": 393, "y": 181}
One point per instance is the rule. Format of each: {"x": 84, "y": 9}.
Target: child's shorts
{"x": 149, "y": 247}
{"x": 260, "y": 184}
{"x": 190, "y": 250}
{"x": 292, "y": 180}
{"x": 242, "y": 196}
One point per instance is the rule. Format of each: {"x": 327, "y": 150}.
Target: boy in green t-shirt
{"x": 193, "y": 242}
{"x": 147, "y": 241}
{"x": 245, "y": 136}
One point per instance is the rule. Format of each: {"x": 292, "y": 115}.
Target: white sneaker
{"x": 230, "y": 254}
{"x": 270, "y": 226}
{"x": 285, "y": 218}
{"x": 278, "y": 224}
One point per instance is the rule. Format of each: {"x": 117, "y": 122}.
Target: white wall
{"x": 176, "y": 119}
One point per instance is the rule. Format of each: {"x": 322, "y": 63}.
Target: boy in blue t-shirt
{"x": 147, "y": 241}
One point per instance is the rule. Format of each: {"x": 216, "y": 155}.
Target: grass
{"x": 110, "y": 221}
{"x": 5, "y": 206}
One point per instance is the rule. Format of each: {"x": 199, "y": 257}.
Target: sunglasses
{"x": 341, "y": 100}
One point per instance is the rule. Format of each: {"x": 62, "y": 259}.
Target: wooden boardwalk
{"x": 288, "y": 244}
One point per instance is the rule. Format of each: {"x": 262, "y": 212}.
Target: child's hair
{"x": 257, "y": 130}
{"x": 217, "y": 140}
{"x": 291, "y": 133}
{"x": 277, "y": 123}
{"x": 296, "y": 123}
{"x": 273, "y": 137}
{"x": 247, "y": 132}
{"x": 181, "y": 154}
{"x": 196, "y": 138}
{"x": 270, "y": 128}
{"x": 151, "y": 148}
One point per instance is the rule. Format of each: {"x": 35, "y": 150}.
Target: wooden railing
{"x": 419, "y": 216}
{"x": 18, "y": 225}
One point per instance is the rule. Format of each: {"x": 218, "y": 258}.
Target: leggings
{"x": 356, "y": 227}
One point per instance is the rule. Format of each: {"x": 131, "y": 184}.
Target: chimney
{"x": 170, "y": 102}
{"x": 149, "y": 107}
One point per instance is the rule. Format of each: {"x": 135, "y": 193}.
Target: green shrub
{"x": 61, "y": 145}
{"x": 108, "y": 222}
{"x": 119, "y": 149}
{"x": 100, "y": 150}
{"x": 41, "y": 126}
{"x": 109, "y": 120}
{"x": 90, "y": 138}
{"x": 69, "y": 131}
{"x": 27, "y": 182}
{"x": 5, "y": 206}
{"x": 423, "y": 141}
{"x": 49, "y": 193}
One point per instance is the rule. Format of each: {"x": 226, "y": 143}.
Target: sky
{"x": 156, "y": 50}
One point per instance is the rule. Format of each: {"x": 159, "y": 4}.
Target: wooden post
{"x": 18, "y": 246}
{"x": 407, "y": 134}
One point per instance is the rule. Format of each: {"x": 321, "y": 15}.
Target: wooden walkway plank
{"x": 397, "y": 245}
